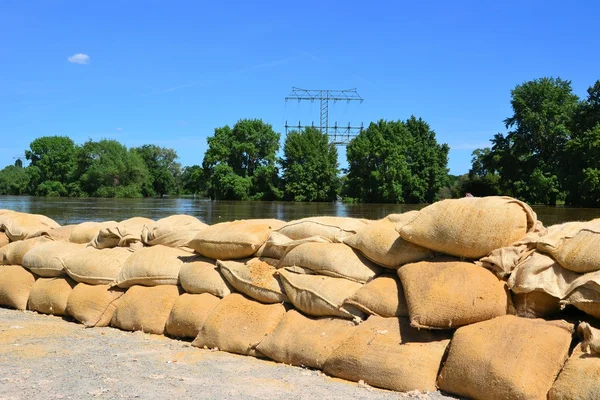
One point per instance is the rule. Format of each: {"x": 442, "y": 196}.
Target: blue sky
{"x": 169, "y": 72}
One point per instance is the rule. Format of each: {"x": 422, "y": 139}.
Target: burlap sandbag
{"x": 444, "y": 293}
{"x": 172, "y": 231}
{"x": 575, "y": 247}
{"x": 304, "y": 341}
{"x": 93, "y": 305}
{"x": 127, "y": 233}
{"x": 383, "y": 296}
{"x": 189, "y": 313}
{"x": 590, "y": 337}
{"x": 145, "y": 308}
{"x": 535, "y": 305}
{"x": 47, "y": 259}
{"x": 470, "y": 227}
{"x": 202, "y": 275}
{"x": 254, "y": 278}
{"x": 3, "y": 239}
{"x": 332, "y": 228}
{"x": 390, "y": 354}
{"x": 331, "y": 259}
{"x": 238, "y": 325}
{"x": 13, "y": 253}
{"x": 579, "y": 379}
{"x": 15, "y": 286}
{"x": 585, "y": 294}
{"x": 506, "y": 358}
{"x": 320, "y": 296}
{"x": 63, "y": 233}
{"x": 20, "y": 226}
{"x": 87, "y": 231}
{"x": 50, "y": 295}
{"x": 380, "y": 242}
{"x": 151, "y": 266}
{"x": 94, "y": 266}
{"x": 277, "y": 244}
{"x": 233, "y": 240}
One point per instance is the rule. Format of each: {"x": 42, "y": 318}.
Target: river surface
{"x": 76, "y": 210}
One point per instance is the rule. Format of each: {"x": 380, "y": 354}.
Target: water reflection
{"x": 75, "y": 210}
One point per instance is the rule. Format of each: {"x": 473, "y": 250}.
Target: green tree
{"x": 396, "y": 162}
{"x": 248, "y": 150}
{"x": 52, "y": 164}
{"x": 192, "y": 180}
{"x": 164, "y": 170}
{"x": 13, "y": 180}
{"x": 310, "y": 167}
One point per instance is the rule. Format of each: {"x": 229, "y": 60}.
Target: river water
{"x": 76, "y": 210}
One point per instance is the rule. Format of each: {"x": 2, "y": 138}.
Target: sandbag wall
{"x": 445, "y": 298}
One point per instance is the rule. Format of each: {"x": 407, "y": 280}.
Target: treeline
{"x": 551, "y": 152}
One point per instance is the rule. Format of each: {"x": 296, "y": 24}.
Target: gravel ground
{"x": 47, "y": 357}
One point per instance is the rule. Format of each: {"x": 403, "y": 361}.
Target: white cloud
{"x": 79, "y": 58}
{"x": 119, "y": 129}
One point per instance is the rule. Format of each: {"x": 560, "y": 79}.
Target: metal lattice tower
{"x": 338, "y": 135}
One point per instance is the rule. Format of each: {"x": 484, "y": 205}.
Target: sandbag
{"x": 535, "y": 305}
{"x": 445, "y": 293}
{"x": 575, "y": 247}
{"x": 390, "y": 354}
{"x": 380, "y": 242}
{"x": 331, "y": 259}
{"x": 590, "y": 338}
{"x": 233, "y": 240}
{"x": 470, "y": 227}
{"x": 320, "y": 296}
{"x": 21, "y": 226}
{"x": 277, "y": 244}
{"x": 13, "y": 253}
{"x": 87, "y": 231}
{"x": 93, "y": 305}
{"x": 254, "y": 278}
{"x": 50, "y": 295}
{"x": 238, "y": 325}
{"x": 304, "y": 341}
{"x": 173, "y": 231}
{"x": 201, "y": 275}
{"x": 127, "y": 233}
{"x": 579, "y": 379}
{"x": 506, "y": 358}
{"x": 63, "y": 233}
{"x": 151, "y": 266}
{"x": 145, "y": 308}
{"x": 15, "y": 286}
{"x": 189, "y": 313}
{"x": 383, "y": 296}
{"x": 94, "y": 266}
{"x": 3, "y": 239}
{"x": 332, "y": 228}
{"x": 47, "y": 259}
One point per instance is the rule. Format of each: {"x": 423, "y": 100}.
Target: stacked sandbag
{"x": 199, "y": 275}
{"x": 234, "y": 240}
{"x": 13, "y": 253}
{"x": 470, "y": 227}
{"x": 383, "y": 297}
{"x": 50, "y": 295}
{"x": 127, "y": 233}
{"x": 95, "y": 267}
{"x": 506, "y": 358}
{"x": 320, "y": 296}
{"x": 390, "y": 354}
{"x": 87, "y": 231}
{"x": 145, "y": 308}
{"x": 331, "y": 228}
{"x": 238, "y": 325}
{"x": 447, "y": 293}
{"x": 151, "y": 266}
{"x": 305, "y": 341}
{"x": 47, "y": 259}
{"x": 580, "y": 377}
{"x": 62, "y": 233}
{"x": 3, "y": 239}
{"x": 93, "y": 305}
{"x": 20, "y": 226}
{"x": 278, "y": 244}
{"x": 15, "y": 286}
{"x": 189, "y": 314}
{"x": 173, "y": 231}
{"x": 254, "y": 278}
{"x": 380, "y": 242}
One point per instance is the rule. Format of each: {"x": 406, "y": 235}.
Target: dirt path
{"x": 46, "y": 357}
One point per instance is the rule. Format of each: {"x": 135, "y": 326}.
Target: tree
{"x": 164, "y": 170}
{"x": 192, "y": 180}
{"x": 396, "y": 162}
{"x": 246, "y": 150}
{"x": 52, "y": 163}
{"x": 310, "y": 167}
{"x": 13, "y": 180}
{"x": 19, "y": 163}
